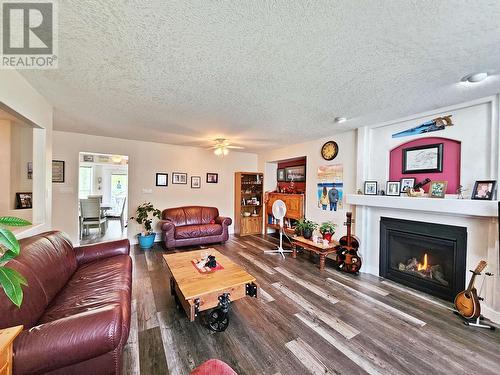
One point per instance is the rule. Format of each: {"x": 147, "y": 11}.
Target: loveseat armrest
{"x": 167, "y": 225}
{"x": 67, "y": 341}
{"x": 224, "y": 221}
{"x": 90, "y": 253}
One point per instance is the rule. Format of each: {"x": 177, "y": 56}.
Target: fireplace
{"x": 424, "y": 256}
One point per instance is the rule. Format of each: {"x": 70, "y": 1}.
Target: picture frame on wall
{"x": 370, "y": 188}
{"x": 212, "y": 178}
{"x": 295, "y": 174}
{"x": 393, "y": 188}
{"x": 437, "y": 189}
{"x": 281, "y": 176}
{"x": 24, "y": 201}
{"x": 423, "y": 159}
{"x": 162, "y": 179}
{"x": 484, "y": 190}
{"x": 58, "y": 171}
{"x": 195, "y": 182}
{"x": 407, "y": 183}
{"x": 179, "y": 178}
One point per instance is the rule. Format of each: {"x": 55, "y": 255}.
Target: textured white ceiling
{"x": 262, "y": 73}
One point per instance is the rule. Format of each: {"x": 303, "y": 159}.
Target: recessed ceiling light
{"x": 339, "y": 120}
{"x": 475, "y": 77}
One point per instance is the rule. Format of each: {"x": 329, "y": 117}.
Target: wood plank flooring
{"x": 304, "y": 322}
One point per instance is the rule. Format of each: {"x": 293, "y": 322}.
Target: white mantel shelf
{"x": 447, "y": 206}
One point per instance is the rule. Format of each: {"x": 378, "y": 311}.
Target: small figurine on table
{"x": 212, "y": 263}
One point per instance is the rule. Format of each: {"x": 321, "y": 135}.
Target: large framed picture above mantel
{"x": 423, "y": 159}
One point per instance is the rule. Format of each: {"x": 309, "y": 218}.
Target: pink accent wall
{"x": 451, "y": 163}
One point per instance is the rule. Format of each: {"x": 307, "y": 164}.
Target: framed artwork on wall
{"x": 370, "y": 188}
{"x": 24, "y": 201}
{"x": 179, "y": 178}
{"x": 162, "y": 179}
{"x": 212, "y": 178}
{"x": 484, "y": 190}
{"x": 393, "y": 188}
{"x": 423, "y": 159}
{"x": 438, "y": 189}
{"x": 281, "y": 175}
{"x": 295, "y": 174}
{"x": 195, "y": 182}
{"x": 57, "y": 171}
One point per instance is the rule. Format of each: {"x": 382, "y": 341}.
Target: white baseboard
{"x": 490, "y": 314}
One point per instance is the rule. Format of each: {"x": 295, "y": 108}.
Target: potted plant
{"x": 327, "y": 229}
{"x": 144, "y": 216}
{"x": 299, "y": 227}
{"x": 10, "y": 279}
{"x": 309, "y": 227}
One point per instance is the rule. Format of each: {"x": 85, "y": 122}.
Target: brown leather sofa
{"x": 76, "y": 307}
{"x": 193, "y": 225}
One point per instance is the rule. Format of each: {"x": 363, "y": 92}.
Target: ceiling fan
{"x": 222, "y": 146}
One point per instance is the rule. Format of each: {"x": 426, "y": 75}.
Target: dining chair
{"x": 120, "y": 215}
{"x": 90, "y": 216}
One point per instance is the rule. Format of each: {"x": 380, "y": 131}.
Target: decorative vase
{"x": 146, "y": 242}
{"x": 307, "y": 233}
{"x": 328, "y": 236}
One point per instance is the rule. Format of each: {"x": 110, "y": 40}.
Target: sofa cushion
{"x": 93, "y": 286}
{"x": 47, "y": 261}
{"x": 195, "y": 231}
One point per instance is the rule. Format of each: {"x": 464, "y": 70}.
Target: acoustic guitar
{"x": 467, "y": 302}
{"x": 348, "y": 259}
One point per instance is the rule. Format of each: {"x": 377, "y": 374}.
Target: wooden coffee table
{"x": 320, "y": 249}
{"x": 196, "y": 292}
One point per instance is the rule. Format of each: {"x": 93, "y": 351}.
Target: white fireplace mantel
{"x": 447, "y": 206}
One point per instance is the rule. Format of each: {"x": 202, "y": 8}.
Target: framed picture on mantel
{"x": 423, "y": 159}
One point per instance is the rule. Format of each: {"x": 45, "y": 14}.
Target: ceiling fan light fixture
{"x": 475, "y": 77}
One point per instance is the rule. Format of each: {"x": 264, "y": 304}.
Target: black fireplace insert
{"x": 424, "y": 256}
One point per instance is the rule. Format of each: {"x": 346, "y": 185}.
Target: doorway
{"x": 102, "y": 197}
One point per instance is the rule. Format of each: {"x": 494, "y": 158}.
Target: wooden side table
{"x": 320, "y": 249}
{"x": 7, "y": 337}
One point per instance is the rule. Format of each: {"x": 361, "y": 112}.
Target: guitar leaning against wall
{"x": 467, "y": 302}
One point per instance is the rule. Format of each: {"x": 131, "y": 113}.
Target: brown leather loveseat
{"x": 193, "y": 225}
{"x": 76, "y": 307}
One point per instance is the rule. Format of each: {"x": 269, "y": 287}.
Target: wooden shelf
{"x": 245, "y": 225}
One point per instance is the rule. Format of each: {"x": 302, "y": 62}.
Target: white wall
{"x": 17, "y": 94}
{"x": 145, "y": 160}
{"x": 312, "y": 150}
{"x": 21, "y": 154}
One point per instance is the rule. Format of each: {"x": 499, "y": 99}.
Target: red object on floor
{"x": 213, "y": 367}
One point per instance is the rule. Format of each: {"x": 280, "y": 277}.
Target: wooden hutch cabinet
{"x": 294, "y": 209}
{"x": 248, "y": 203}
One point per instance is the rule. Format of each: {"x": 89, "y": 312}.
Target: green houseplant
{"x": 144, "y": 216}
{"x": 327, "y": 229}
{"x": 10, "y": 279}
{"x": 309, "y": 227}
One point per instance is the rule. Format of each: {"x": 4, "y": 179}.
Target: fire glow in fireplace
{"x": 424, "y": 256}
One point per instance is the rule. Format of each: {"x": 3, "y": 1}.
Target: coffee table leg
{"x": 322, "y": 262}
{"x": 294, "y": 251}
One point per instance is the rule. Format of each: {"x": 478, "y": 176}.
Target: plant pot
{"x": 307, "y": 233}
{"x": 328, "y": 236}
{"x": 146, "y": 242}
